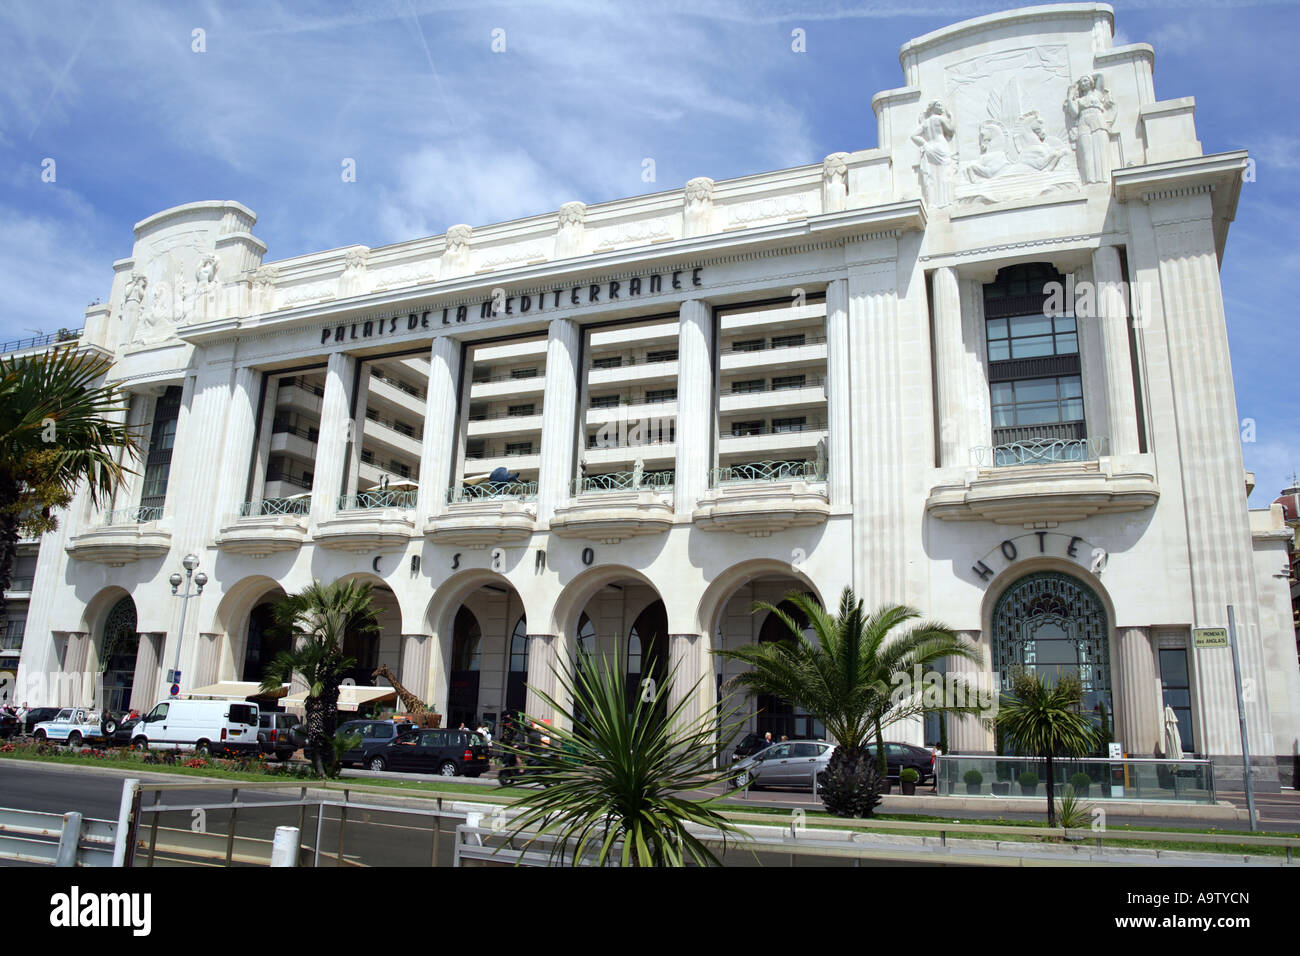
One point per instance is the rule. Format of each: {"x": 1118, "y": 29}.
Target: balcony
{"x": 808, "y": 353}
{"x": 760, "y": 497}
{"x": 19, "y": 588}
{"x": 659, "y": 370}
{"x": 127, "y": 535}
{"x": 1042, "y": 482}
{"x": 507, "y": 386}
{"x": 496, "y": 424}
{"x": 370, "y": 521}
{"x": 267, "y": 526}
{"x": 485, "y": 513}
{"x": 617, "y": 505}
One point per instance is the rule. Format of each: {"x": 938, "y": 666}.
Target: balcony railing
{"x": 507, "y": 377}
{"x": 49, "y": 338}
{"x": 631, "y": 361}
{"x": 623, "y": 481}
{"x": 401, "y": 386}
{"x": 309, "y": 387}
{"x": 775, "y": 427}
{"x": 488, "y": 490}
{"x": 297, "y": 505}
{"x": 767, "y": 346}
{"x": 302, "y": 481}
{"x": 404, "y": 498}
{"x": 768, "y": 471}
{"x": 1038, "y": 451}
{"x": 809, "y": 381}
{"x": 137, "y": 515}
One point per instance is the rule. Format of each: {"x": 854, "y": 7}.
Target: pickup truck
{"x": 73, "y": 726}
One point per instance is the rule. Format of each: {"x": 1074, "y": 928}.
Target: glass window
{"x": 787, "y": 341}
{"x": 655, "y": 395}
{"x": 739, "y": 429}
{"x": 788, "y": 381}
{"x": 748, "y": 385}
{"x": 789, "y": 424}
{"x": 748, "y": 345}
{"x": 1176, "y": 686}
{"x": 1031, "y": 336}
{"x": 519, "y": 448}
{"x": 662, "y": 355}
{"x": 604, "y": 401}
{"x": 519, "y": 647}
{"x": 1037, "y": 401}
{"x": 521, "y": 411}
{"x": 805, "y": 750}
{"x": 608, "y": 361}
{"x": 523, "y": 373}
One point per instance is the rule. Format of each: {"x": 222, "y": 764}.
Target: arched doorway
{"x": 647, "y": 653}
{"x": 517, "y": 677}
{"x": 466, "y": 659}
{"x": 776, "y": 715}
{"x": 265, "y": 641}
{"x": 119, "y": 645}
{"x": 1051, "y": 623}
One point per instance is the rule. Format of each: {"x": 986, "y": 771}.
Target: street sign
{"x": 1116, "y": 751}
{"x": 176, "y": 689}
{"x": 1210, "y": 636}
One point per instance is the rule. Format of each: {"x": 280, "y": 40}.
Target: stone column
{"x": 201, "y": 453}
{"x": 415, "y": 670}
{"x": 144, "y": 683}
{"x": 692, "y": 666}
{"x": 979, "y": 411}
{"x": 839, "y": 409}
{"x": 361, "y": 398}
{"x": 241, "y": 427}
{"x": 183, "y": 451}
{"x": 559, "y": 417}
{"x": 966, "y": 735}
{"x": 441, "y": 415}
{"x": 544, "y": 660}
{"x": 76, "y": 664}
{"x": 265, "y": 427}
{"x": 332, "y": 444}
{"x": 1112, "y": 315}
{"x": 951, "y": 392}
{"x": 1138, "y": 708}
{"x": 694, "y": 405}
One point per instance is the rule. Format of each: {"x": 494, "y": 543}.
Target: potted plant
{"x": 908, "y": 779}
{"x": 1001, "y": 788}
{"x": 973, "y": 780}
{"x": 1081, "y": 782}
{"x": 1029, "y": 783}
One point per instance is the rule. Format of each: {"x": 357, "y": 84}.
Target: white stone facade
{"x": 633, "y": 361}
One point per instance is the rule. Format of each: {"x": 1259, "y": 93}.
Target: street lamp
{"x": 189, "y": 562}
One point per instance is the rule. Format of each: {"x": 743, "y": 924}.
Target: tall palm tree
{"x": 624, "y": 776}
{"x": 1045, "y": 720}
{"x": 56, "y": 431}
{"x": 856, "y": 679}
{"x": 317, "y": 619}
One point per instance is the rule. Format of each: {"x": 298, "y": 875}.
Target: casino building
{"x": 981, "y": 369}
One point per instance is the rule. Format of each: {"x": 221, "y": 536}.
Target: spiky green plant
{"x": 620, "y": 782}
{"x": 849, "y": 679}
{"x": 317, "y": 619}
{"x": 1072, "y": 811}
{"x": 1044, "y": 721}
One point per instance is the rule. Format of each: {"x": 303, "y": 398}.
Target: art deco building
{"x": 981, "y": 369}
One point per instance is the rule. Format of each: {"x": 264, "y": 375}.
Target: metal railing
{"x": 49, "y": 338}
{"x": 403, "y": 498}
{"x": 758, "y": 427}
{"x": 1038, "y": 451}
{"x": 284, "y": 428}
{"x": 300, "y": 480}
{"x": 810, "y": 381}
{"x": 297, "y": 505}
{"x": 400, "y": 386}
{"x": 485, "y": 379}
{"x": 1130, "y": 778}
{"x": 137, "y": 515}
{"x": 492, "y": 489}
{"x": 768, "y": 471}
{"x": 622, "y": 481}
{"x": 310, "y": 387}
{"x": 56, "y": 839}
{"x": 767, "y": 346}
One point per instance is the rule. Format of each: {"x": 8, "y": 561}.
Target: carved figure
{"x": 1092, "y": 113}
{"x": 934, "y": 138}
{"x": 1035, "y": 147}
{"x": 420, "y": 715}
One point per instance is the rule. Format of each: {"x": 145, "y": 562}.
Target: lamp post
{"x": 190, "y": 562}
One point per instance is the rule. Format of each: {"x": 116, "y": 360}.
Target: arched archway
{"x": 119, "y": 643}
{"x": 517, "y": 677}
{"x": 466, "y": 661}
{"x": 776, "y": 715}
{"x": 647, "y": 652}
{"x": 263, "y": 643}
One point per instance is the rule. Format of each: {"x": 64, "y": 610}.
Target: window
{"x": 607, "y": 361}
{"x": 483, "y": 374}
{"x": 519, "y": 647}
{"x": 404, "y": 429}
{"x": 521, "y": 411}
{"x": 663, "y": 355}
{"x": 748, "y": 345}
{"x": 1176, "y": 686}
{"x": 789, "y": 424}
{"x": 1031, "y": 336}
{"x": 1037, "y": 401}
{"x": 787, "y": 341}
{"x": 740, "y": 429}
{"x": 474, "y": 449}
{"x": 788, "y": 381}
{"x": 514, "y": 448}
{"x": 655, "y": 395}
{"x": 523, "y": 373}
{"x": 604, "y": 401}
{"x": 153, "y": 493}
{"x": 397, "y": 468}
{"x": 748, "y": 385}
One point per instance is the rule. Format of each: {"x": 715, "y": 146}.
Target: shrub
{"x": 973, "y": 777}
{"x": 1081, "y": 782}
{"x": 909, "y": 775}
{"x": 1070, "y": 812}
{"x": 1028, "y": 779}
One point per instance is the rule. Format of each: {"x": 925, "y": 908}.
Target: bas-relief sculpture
{"x": 934, "y": 138}
{"x": 1092, "y": 116}
{"x": 163, "y": 296}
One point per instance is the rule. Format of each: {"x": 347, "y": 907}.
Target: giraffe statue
{"x": 415, "y": 708}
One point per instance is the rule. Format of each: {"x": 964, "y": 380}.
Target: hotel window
{"x": 604, "y": 401}
{"x": 523, "y": 373}
{"x": 388, "y": 427}
{"x": 158, "y": 464}
{"x": 748, "y": 385}
{"x": 1176, "y": 686}
{"x": 748, "y": 345}
{"x": 662, "y": 355}
{"x": 788, "y": 381}
{"x": 787, "y": 341}
{"x": 609, "y": 361}
{"x": 1037, "y": 401}
{"x": 474, "y": 449}
{"x": 740, "y": 429}
{"x": 789, "y": 424}
{"x": 656, "y": 395}
{"x": 521, "y": 411}
{"x": 515, "y": 448}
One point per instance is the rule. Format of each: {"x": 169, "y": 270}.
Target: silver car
{"x": 791, "y": 764}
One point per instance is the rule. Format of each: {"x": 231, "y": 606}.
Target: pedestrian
{"x": 767, "y": 740}
{"x": 483, "y": 732}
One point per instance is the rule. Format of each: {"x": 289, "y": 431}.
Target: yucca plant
{"x": 621, "y": 782}
{"x": 1072, "y": 812}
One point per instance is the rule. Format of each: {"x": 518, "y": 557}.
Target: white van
{"x": 204, "y": 726}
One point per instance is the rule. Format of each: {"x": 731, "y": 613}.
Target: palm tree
{"x": 56, "y": 431}
{"x": 1045, "y": 720}
{"x": 856, "y": 679}
{"x": 317, "y": 619}
{"x": 621, "y": 776}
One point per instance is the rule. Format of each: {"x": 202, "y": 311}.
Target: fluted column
{"x": 415, "y": 670}
{"x": 691, "y": 665}
{"x": 559, "y": 417}
{"x": 951, "y": 392}
{"x": 694, "y": 405}
{"x": 265, "y": 427}
{"x": 966, "y": 735}
{"x": 839, "y": 403}
{"x": 545, "y": 658}
{"x": 440, "y": 416}
{"x": 1112, "y": 312}
{"x": 144, "y": 683}
{"x": 332, "y": 443}
{"x": 1138, "y": 708}
{"x": 241, "y": 428}
{"x": 199, "y": 455}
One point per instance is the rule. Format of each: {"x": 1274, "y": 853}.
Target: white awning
{"x": 351, "y": 696}
{"x": 234, "y": 690}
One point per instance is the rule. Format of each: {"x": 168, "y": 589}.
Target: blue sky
{"x": 444, "y": 130}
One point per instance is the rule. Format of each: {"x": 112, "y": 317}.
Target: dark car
{"x": 898, "y": 756}
{"x": 373, "y": 733}
{"x": 279, "y": 733}
{"x": 749, "y": 745}
{"x": 10, "y": 726}
{"x": 38, "y": 715}
{"x": 451, "y": 753}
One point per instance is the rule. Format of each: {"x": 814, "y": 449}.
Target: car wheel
{"x": 377, "y": 763}
{"x": 140, "y": 743}
{"x": 40, "y": 735}
{"x": 74, "y": 739}
{"x": 202, "y": 749}
{"x": 447, "y": 769}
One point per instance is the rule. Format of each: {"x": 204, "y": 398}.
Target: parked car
{"x": 451, "y": 753}
{"x": 373, "y": 732}
{"x": 72, "y": 726}
{"x": 790, "y": 764}
{"x": 36, "y": 715}
{"x": 203, "y": 726}
{"x": 898, "y": 756}
{"x": 10, "y": 726}
{"x": 277, "y": 734}
{"x": 749, "y": 745}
